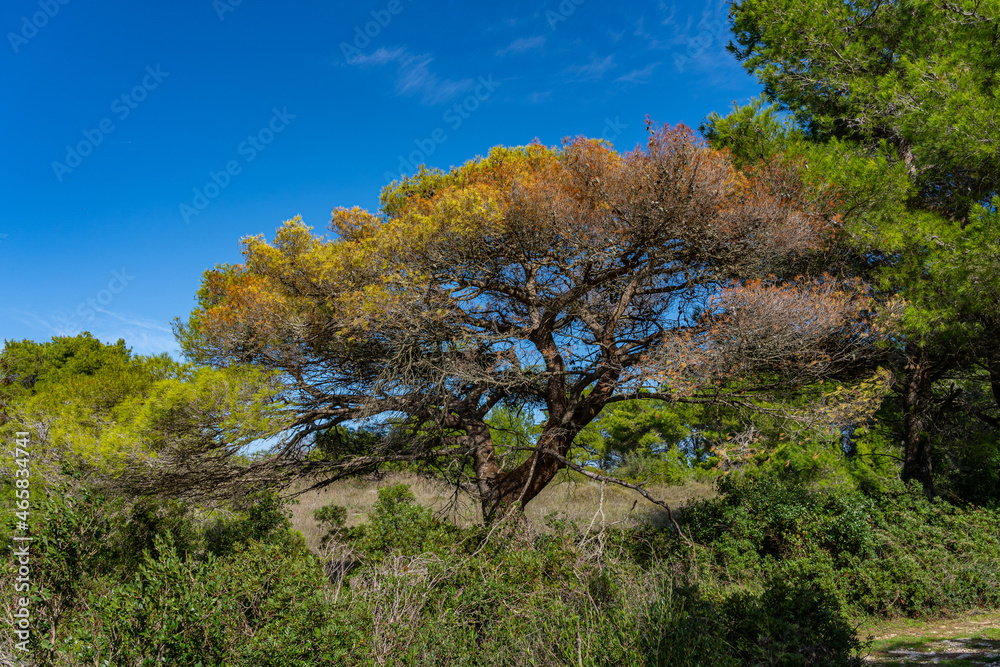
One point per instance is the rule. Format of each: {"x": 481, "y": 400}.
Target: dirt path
{"x": 968, "y": 640}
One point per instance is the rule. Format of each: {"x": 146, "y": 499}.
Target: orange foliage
{"x": 567, "y": 277}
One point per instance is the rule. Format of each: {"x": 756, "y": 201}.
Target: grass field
{"x": 573, "y": 498}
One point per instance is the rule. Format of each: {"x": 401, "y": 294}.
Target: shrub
{"x": 261, "y": 606}
{"x": 777, "y": 567}
{"x": 257, "y": 517}
{"x": 399, "y": 526}
{"x": 333, "y": 519}
{"x": 887, "y": 553}
{"x": 682, "y": 628}
{"x": 790, "y": 624}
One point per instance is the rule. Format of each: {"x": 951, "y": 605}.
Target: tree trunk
{"x": 916, "y": 415}
{"x": 484, "y": 461}
{"x": 500, "y": 491}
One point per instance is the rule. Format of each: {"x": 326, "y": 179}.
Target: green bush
{"x": 888, "y": 553}
{"x": 150, "y": 518}
{"x": 790, "y": 624}
{"x": 257, "y": 517}
{"x": 682, "y": 628}
{"x": 74, "y": 542}
{"x": 399, "y": 526}
{"x": 333, "y": 519}
{"x": 261, "y": 605}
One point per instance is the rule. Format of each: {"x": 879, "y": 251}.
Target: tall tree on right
{"x": 915, "y": 81}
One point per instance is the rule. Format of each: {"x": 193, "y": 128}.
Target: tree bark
{"x": 500, "y": 491}
{"x": 484, "y": 460}
{"x": 916, "y": 415}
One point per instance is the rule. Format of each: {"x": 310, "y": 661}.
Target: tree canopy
{"x": 139, "y": 424}
{"x": 916, "y": 82}
{"x": 559, "y": 279}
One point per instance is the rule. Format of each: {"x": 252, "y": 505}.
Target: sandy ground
{"x": 972, "y": 639}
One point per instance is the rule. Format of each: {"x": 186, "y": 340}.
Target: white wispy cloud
{"x": 593, "y": 70}
{"x": 414, "y": 76}
{"x": 523, "y": 44}
{"x": 379, "y": 57}
{"x": 671, "y": 16}
{"x": 638, "y": 75}
{"x": 640, "y": 27}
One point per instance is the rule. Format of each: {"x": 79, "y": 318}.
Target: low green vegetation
{"x": 244, "y": 591}
{"x": 769, "y": 572}
{"x": 889, "y": 553}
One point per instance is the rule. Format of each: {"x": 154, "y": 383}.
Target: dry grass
{"x": 573, "y": 498}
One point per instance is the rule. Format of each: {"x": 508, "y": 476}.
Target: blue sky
{"x": 141, "y": 142}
